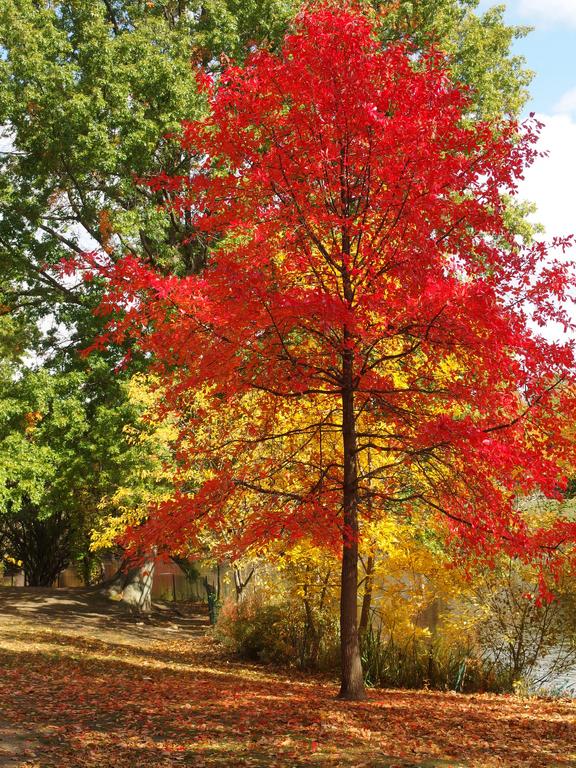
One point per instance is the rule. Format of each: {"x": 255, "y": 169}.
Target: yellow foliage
{"x": 153, "y": 435}
{"x": 13, "y": 561}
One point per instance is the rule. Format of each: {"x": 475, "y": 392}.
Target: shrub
{"x": 277, "y": 632}
{"x": 422, "y": 661}
{"x": 255, "y": 631}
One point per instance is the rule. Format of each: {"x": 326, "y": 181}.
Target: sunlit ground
{"x": 125, "y": 695}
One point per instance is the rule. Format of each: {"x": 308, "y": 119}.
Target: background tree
{"x": 88, "y": 93}
{"x": 368, "y": 292}
{"x": 63, "y": 450}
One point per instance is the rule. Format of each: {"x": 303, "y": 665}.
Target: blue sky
{"x": 551, "y": 53}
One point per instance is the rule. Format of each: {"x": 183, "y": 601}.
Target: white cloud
{"x": 549, "y": 11}
{"x": 549, "y": 182}
{"x": 567, "y": 102}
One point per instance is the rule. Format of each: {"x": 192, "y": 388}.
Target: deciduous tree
{"x": 63, "y": 453}
{"x": 89, "y": 89}
{"x": 367, "y": 314}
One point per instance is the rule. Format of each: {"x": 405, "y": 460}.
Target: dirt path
{"x": 92, "y": 613}
{"x": 84, "y": 684}
{"x": 80, "y": 618}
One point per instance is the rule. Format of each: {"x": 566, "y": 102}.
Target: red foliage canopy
{"x": 364, "y": 284}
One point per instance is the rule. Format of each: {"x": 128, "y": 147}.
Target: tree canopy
{"x": 367, "y": 316}
{"x": 89, "y": 91}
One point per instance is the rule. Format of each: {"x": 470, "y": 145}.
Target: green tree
{"x": 480, "y": 46}
{"x": 88, "y": 91}
{"x": 63, "y": 450}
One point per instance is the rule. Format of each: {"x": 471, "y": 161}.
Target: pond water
{"x": 563, "y": 684}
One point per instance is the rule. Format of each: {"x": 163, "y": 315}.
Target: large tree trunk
{"x": 352, "y": 679}
{"x": 133, "y": 585}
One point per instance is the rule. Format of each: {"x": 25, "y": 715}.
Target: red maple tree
{"x": 364, "y": 293}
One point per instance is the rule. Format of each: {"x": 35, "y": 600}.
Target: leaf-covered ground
{"x": 83, "y": 687}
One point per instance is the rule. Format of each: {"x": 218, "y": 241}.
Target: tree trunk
{"x": 311, "y": 632}
{"x": 352, "y": 679}
{"x": 367, "y": 597}
{"x": 240, "y": 583}
{"x": 138, "y": 591}
{"x": 134, "y": 586}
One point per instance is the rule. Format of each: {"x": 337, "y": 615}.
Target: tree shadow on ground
{"x": 90, "y": 609}
{"x": 203, "y": 716}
